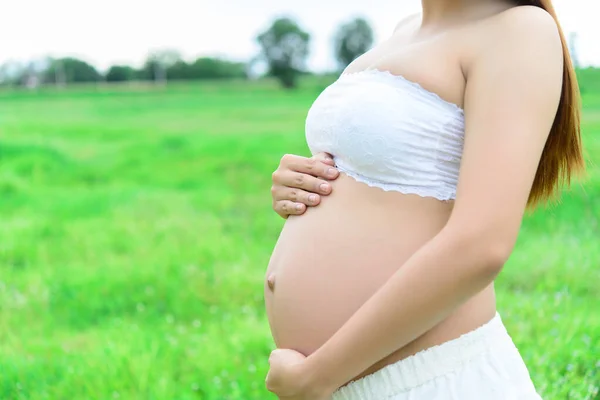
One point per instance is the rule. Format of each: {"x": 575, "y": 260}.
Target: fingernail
{"x": 299, "y": 207}
{"x": 324, "y": 187}
{"x": 331, "y": 172}
{"x": 312, "y": 198}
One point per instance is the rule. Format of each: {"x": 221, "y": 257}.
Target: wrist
{"x": 319, "y": 376}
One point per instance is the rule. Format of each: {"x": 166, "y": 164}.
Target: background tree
{"x": 157, "y": 64}
{"x": 12, "y": 72}
{"x": 216, "y": 68}
{"x": 60, "y": 75}
{"x": 285, "y": 48}
{"x": 352, "y": 40}
{"x": 70, "y": 70}
{"x": 206, "y": 68}
{"x": 180, "y": 70}
{"x": 120, "y": 73}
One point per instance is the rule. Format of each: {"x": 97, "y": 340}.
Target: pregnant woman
{"x": 440, "y": 137}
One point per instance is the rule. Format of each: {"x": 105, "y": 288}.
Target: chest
{"x": 432, "y": 63}
{"x": 376, "y": 117}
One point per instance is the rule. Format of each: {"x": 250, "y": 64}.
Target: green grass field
{"x": 136, "y": 227}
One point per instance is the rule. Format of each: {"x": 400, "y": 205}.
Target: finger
{"x": 324, "y": 158}
{"x": 269, "y": 382}
{"x": 314, "y": 167}
{"x": 298, "y": 180}
{"x": 296, "y": 195}
{"x": 286, "y": 207}
{"x": 274, "y": 353}
{"x": 289, "y": 159}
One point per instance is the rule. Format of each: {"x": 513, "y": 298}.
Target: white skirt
{"x": 483, "y": 364}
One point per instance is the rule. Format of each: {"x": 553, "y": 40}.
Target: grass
{"x": 136, "y": 227}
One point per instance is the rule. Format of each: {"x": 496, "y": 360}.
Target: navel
{"x": 271, "y": 281}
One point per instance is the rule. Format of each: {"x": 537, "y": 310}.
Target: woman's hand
{"x": 289, "y": 378}
{"x": 299, "y": 181}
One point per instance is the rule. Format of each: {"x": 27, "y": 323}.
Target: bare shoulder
{"x": 524, "y": 32}
{"x": 519, "y": 56}
{"x": 407, "y": 22}
{"x": 528, "y": 21}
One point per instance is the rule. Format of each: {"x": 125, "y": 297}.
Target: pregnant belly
{"x": 328, "y": 262}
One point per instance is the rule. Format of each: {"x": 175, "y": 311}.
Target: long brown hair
{"x": 562, "y": 158}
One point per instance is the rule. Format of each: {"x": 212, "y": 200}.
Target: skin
{"x": 505, "y": 70}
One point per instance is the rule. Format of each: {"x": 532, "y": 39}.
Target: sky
{"x": 111, "y": 32}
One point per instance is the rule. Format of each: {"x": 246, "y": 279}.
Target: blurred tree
{"x": 70, "y": 70}
{"x": 29, "y": 74}
{"x": 33, "y": 74}
{"x": 120, "y": 73}
{"x": 206, "y": 68}
{"x": 11, "y": 72}
{"x": 285, "y": 48}
{"x": 180, "y": 71}
{"x": 4, "y": 74}
{"x": 215, "y": 68}
{"x": 157, "y": 64}
{"x": 60, "y": 75}
{"x": 352, "y": 40}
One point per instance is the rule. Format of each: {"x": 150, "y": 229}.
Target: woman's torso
{"x": 330, "y": 260}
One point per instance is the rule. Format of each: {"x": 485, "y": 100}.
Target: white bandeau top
{"x": 390, "y": 133}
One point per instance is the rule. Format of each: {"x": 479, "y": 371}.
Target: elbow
{"x": 494, "y": 255}
{"x": 486, "y": 252}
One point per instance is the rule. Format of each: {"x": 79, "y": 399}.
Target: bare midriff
{"x": 332, "y": 259}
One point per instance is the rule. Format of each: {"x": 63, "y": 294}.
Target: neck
{"x": 446, "y": 12}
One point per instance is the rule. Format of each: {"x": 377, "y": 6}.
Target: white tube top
{"x": 390, "y": 133}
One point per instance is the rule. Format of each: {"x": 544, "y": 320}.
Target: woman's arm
{"x": 299, "y": 182}
{"x": 511, "y": 100}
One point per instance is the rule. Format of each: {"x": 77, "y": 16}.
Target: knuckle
{"x": 311, "y": 163}
{"x": 299, "y": 180}
{"x": 285, "y": 158}
{"x": 269, "y": 385}
{"x": 275, "y": 175}
{"x": 323, "y": 170}
{"x": 294, "y": 195}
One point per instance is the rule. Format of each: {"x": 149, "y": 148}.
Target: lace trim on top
{"x": 395, "y": 187}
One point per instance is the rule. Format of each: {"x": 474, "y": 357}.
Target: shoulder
{"x": 521, "y": 27}
{"x": 518, "y": 63}
{"x": 520, "y": 33}
{"x": 407, "y": 22}
{"x": 528, "y": 22}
